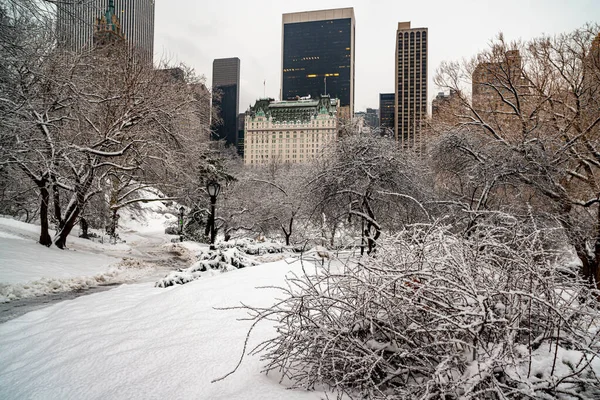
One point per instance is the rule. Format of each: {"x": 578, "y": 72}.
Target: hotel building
{"x": 289, "y": 131}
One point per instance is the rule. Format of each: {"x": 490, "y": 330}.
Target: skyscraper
{"x": 75, "y": 23}
{"x": 387, "y": 109}
{"x": 318, "y": 56}
{"x": 411, "y": 84}
{"x": 226, "y": 84}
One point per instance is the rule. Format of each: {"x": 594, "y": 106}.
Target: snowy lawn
{"x": 142, "y": 342}
{"x": 28, "y": 269}
{"x": 24, "y": 260}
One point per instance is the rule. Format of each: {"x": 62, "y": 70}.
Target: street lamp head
{"x": 181, "y": 210}
{"x": 213, "y": 188}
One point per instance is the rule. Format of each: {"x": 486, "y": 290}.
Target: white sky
{"x": 196, "y": 32}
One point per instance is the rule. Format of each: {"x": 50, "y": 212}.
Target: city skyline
{"x": 253, "y": 33}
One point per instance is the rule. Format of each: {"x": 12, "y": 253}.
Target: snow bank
{"x": 208, "y": 261}
{"x": 125, "y": 271}
{"x": 28, "y": 269}
{"x": 23, "y": 260}
{"x": 141, "y": 342}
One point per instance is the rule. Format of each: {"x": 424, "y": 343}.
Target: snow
{"x": 138, "y": 342}
{"x": 30, "y": 270}
{"x": 24, "y": 260}
{"x": 149, "y": 217}
{"x": 135, "y": 341}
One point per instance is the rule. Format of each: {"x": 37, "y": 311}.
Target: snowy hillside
{"x": 29, "y": 270}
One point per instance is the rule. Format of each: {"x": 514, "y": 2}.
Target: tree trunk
{"x": 288, "y": 233}
{"x": 590, "y": 268}
{"x": 69, "y": 224}
{"x": 56, "y": 202}
{"x": 45, "y": 238}
{"x": 287, "y": 238}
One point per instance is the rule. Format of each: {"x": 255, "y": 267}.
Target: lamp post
{"x": 181, "y": 211}
{"x": 213, "y": 188}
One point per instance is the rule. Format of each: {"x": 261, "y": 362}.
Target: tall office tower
{"x": 411, "y": 84}
{"x": 240, "y": 131}
{"x": 226, "y": 84}
{"x": 317, "y": 56}
{"x": 387, "y": 110}
{"x": 76, "y": 20}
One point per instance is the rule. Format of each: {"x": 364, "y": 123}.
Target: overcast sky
{"x": 196, "y": 32}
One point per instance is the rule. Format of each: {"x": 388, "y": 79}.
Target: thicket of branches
{"x": 439, "y": 315}
{"x": 528, "y": 137}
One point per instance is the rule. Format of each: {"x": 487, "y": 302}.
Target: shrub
{"x": 436, "y": 315}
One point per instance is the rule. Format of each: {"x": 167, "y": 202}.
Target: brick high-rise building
{"x": 495, "y": 79}
{"x": 77, "y": 20}
{"x": 442, "y": 102}
{"x": 411, "y": 84}
{"x": 226, "y": 83}
{"x": 318, "y": 56}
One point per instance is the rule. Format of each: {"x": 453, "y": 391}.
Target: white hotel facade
{"x": 289, "y": 131}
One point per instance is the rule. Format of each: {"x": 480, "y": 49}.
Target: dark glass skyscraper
{"x": 226, "y": 83}
{"x": 387, "y": 110}
{"x": 318, "y": 56}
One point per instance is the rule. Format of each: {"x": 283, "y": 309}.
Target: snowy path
{"x": 33, "y": 277}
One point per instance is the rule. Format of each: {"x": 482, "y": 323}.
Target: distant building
{"x": 318, "y": 56}
{"x": 372, "y": 117}
{"x": 226, "y": 86}
{"x": 76, "y": 24}
{"x": 289, "y": 131}
{"x": 411, "y": 84}
{"x": 203, "y": 96}
{"x": 441, "y": 102}
{"x": 387, "y": 110}
{"x": 591, "y": 80}
{"x": 241, "y": 120}
{"x": 175, "y": 74}
{"x": 201, "y": 125}
{"x": 107, "y": 28}
{"x": 491, "y": 81}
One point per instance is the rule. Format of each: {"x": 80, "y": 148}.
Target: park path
{"x": 148, "y": 248}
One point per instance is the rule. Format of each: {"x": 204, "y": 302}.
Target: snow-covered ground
{"x": 135, "y": 341}
{"x": 142, "y": 342}
{"x": 29, "y": 270}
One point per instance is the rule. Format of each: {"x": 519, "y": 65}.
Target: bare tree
{"x": 369, "y": 180}
{"x": 535, "y": 115}
{"x": 76, "y": 121}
